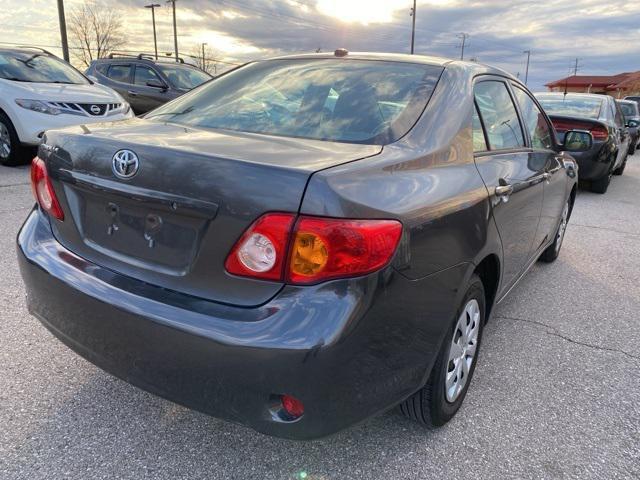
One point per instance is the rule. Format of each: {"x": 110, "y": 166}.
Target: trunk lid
{"x": 173, "y": 223}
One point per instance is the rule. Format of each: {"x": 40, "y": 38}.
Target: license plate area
{"x": 161, "y": 237}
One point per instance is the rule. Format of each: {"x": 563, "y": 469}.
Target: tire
{"x": 602, "y": 184}
{"x": 553, "y": 250}
{"x": 435, "y": 404}
{"x": 9, "y": 140}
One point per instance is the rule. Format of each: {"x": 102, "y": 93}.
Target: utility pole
{"x": 526, "y": 73}
{"x": 575, "y": 68}
{"x": 413, "y": 27}
{"x": 153, "y": 7}
{"x": 175, "y": 30}
{"x": 464, "y": 37}
{"x": 204, "y": 64}
{"x": 63, "y": 31}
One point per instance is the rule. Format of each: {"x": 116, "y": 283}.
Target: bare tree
{"x": 209, "y": 65}
{"x": 96, "y": 31}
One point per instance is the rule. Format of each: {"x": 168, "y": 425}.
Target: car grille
{"x": 89, "y": 109}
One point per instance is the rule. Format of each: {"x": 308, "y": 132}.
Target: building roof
{"x": 608, "y": 82}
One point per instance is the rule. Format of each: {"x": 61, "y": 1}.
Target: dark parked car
{"x": 600, "y": 115}
{"x": 631, "y": 112}
{"x": 304, "y": 242}
{"x": 145, "y": 83}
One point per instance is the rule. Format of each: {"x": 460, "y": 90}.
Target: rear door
{"x": 515, "y": 183}
{"x": 120, "y": 75}
{"x": 148, "y": 97}
{"x": 543, "y": 157}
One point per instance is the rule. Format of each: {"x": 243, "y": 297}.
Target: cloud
{"x": 605, "y": 36}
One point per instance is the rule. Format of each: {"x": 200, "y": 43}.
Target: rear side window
{"x": 499, "y": 115}
{"x": 145, "y": 74}
{"x": 355, "y": 101}
{"x": 534, "y": 121}
{"x": 120, "y": 73}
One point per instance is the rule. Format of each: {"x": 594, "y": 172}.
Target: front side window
{"x": 120, "y": 73}
{"x": 534, "y": 121}
{"x": 38, "y": 68}
{"x": 144, "y": 75}
{"x": 499, "y": 115}
{"x": 356, "y": 101}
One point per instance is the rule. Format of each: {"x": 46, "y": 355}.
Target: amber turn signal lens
{"x": 309, "y": 254}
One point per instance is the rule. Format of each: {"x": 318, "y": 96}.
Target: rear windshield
{"x": 38, "y": 68}
{"x": 571, "y": 106}
{"x": 184, "y": 78}
{"x": 356, "y": 101}
{"x": 629, "y": 109}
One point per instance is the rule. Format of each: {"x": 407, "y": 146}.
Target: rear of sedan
{"x": 172, "y": 250}
{"x": 584, "y": 112}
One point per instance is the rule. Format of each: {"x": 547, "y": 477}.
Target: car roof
{"x": 26, "y": 50}
{"x": 630, "y": 102}
{"x": 471, "y": 67}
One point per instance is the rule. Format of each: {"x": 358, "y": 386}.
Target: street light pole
{"x": 464, "y": 37}
{"x": 153, "y": 7}
{"x": 526, "y": 73}
{"x": 63, "y": 30}
{"x": 413, "y": 26}
{"x": 175, "y": 30}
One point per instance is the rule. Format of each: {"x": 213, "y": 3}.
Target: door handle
{"x": 546, "y": 176}
{"x": 132, "y": 93}
{"x": 503, "y": 192}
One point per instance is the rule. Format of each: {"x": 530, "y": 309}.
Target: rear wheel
{"x": 10, "y": 150}
{"x": 553, "y": 250}
{"x": 439, "y": 400}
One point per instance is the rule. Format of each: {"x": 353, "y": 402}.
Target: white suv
{"x": 38, "y": 92}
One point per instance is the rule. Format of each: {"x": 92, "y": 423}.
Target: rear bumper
{"x": 596, "y": 162}
{"x": 348, "y": 349}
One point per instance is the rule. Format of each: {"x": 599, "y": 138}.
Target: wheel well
{"x": 572, "y": 197}
{"x": 489, "y": 272}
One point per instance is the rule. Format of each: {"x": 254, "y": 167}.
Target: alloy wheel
{"x": 462, "y": 353}
{"x": 5, "y": 141}
{"x": 563, "y": 226}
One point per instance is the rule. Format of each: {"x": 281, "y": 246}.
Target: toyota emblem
{"x": 125, "y": 164}
{"x": 95, "y": 109}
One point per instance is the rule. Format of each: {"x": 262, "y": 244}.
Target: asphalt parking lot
{"x": 556, "y": 393}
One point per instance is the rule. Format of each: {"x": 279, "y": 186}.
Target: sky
{"x": 603, "y": 34}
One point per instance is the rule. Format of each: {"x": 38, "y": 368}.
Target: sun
{"x": 362, "y": 11}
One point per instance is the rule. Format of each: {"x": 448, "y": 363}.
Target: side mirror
{"x": 578, "y": 141}
{"x": 156, "y": 84}
{"x": 92, "y": 78}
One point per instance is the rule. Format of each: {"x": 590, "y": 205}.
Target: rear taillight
{"x": 313, "y": 250}
{"x": 262, "y": 250}
{"x": 598, "y": 132}
{"x": 43, "y": 189}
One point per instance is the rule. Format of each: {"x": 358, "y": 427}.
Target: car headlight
{"x": 633, "y": 123}
{"x": 38, "y": 106}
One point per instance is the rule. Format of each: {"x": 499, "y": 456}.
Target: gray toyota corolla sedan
{"x": 304, "y": 242}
